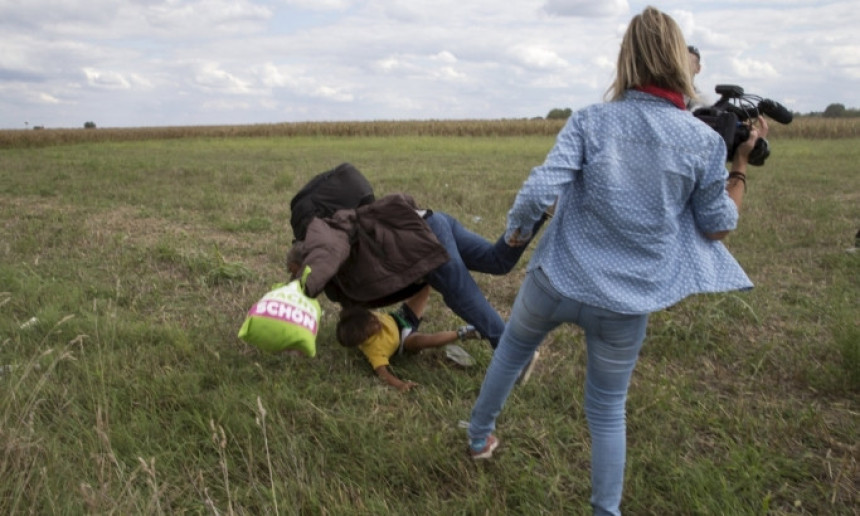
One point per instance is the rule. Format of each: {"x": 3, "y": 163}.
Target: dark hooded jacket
{"x": 374, "y": 255}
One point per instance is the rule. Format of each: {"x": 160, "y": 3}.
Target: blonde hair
{"x": 653, "y": 53}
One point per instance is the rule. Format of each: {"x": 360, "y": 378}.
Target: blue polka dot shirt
{"x": 638, "y": 183}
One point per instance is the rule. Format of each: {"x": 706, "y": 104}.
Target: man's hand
{"x": 737, "y": 183}
{"x": 518, "y": 239}
{"x": 758, "y": 129}
{"x": 468, "y": 332}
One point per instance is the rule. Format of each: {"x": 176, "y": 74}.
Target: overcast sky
{"x": 223, "y": 62}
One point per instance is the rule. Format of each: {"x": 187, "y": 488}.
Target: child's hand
{"x": 406, "y": 386}
{"x": 392, "y": 380}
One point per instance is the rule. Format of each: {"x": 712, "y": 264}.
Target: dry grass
{"x": 801, "y": 127}
{"x": 21, "y": 138}
{"x": 133, "y": 394}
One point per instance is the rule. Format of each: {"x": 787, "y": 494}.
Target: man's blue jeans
{"x": 470, "y": 252}
{"x": 613, "y": 342}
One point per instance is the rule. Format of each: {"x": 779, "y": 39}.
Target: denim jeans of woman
{"x": 613, "y": 342}
{"x": 470, "y": 252}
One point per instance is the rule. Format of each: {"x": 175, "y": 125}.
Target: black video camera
{"x": 729, "y": 117}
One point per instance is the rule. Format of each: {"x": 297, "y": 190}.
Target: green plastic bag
{"x": 283, "y": 319}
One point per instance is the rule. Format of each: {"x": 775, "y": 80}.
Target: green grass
{"x": 131, "y": 394}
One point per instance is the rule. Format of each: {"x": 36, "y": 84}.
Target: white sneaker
{"x": 459, "y": 355}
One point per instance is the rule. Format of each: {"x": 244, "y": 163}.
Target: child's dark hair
{"x": 294, "y": 257}
{"x": 356, "y": 325}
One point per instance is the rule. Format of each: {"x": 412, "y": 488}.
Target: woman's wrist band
{"x": 740, "y": 176}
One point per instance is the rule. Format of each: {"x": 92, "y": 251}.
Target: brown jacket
{"x": 374, "y": 255}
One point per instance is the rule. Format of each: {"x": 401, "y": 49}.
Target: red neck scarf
{"x": 672, "y": 96}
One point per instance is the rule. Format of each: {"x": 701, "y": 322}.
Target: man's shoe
{"x": 459, "y": 355}
{"x": 468, "y": 332}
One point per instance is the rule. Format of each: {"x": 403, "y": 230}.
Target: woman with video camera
{"x": 643, "y": 199}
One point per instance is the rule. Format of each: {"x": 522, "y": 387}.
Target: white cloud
{"x": 445, "y": 57}
{"x": 27, "y": 96}
{"x": 587, "y": 8}
{"x": 295, "y": 80}
{"x": 753, "y": 69}
{"x": 217, "y": 61}
{"x": 111, "y": 20}
{"x": 686, "y": 20}
{"x": 225, "y": 105}
{"x": 404, "y": 12}
{"x": 448, "y": 73}
{"x": 210, "y": 76}
{"x": 440, "y": 66}
{"x": 320, "y": 5}
{"x": 273, "y": 77}
{"x": 538, "y": 57}
{"x": 45, "y": 98}
{"x": 106, "y": 80}
{"x": 330, "y": 93}
{"x": 202, "y": 18}
{"x": 388, "y": 64}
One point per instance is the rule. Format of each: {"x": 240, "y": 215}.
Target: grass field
{"x": 127, "y": 266}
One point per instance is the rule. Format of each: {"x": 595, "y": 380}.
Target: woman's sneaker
{"x": 485, "y": 451}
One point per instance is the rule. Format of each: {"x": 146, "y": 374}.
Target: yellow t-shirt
{"x": 382, "y": 345}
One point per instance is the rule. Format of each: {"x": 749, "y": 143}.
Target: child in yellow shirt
{"x": 381, "y": 335}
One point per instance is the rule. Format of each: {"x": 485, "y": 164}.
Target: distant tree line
{"x": 839, "y": 111}
{"x": 559, "y": 114}
{"x": 832, "y": 111}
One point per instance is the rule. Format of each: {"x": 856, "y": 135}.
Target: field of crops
{"x": 802, "y": 127}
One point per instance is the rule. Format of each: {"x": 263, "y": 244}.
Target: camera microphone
{"x": 730, "y": 117}
{"x": 775, "y": 110}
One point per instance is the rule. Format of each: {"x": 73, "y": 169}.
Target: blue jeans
{"x": 613, "y": 342}
{"x": 471, "y": 252}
